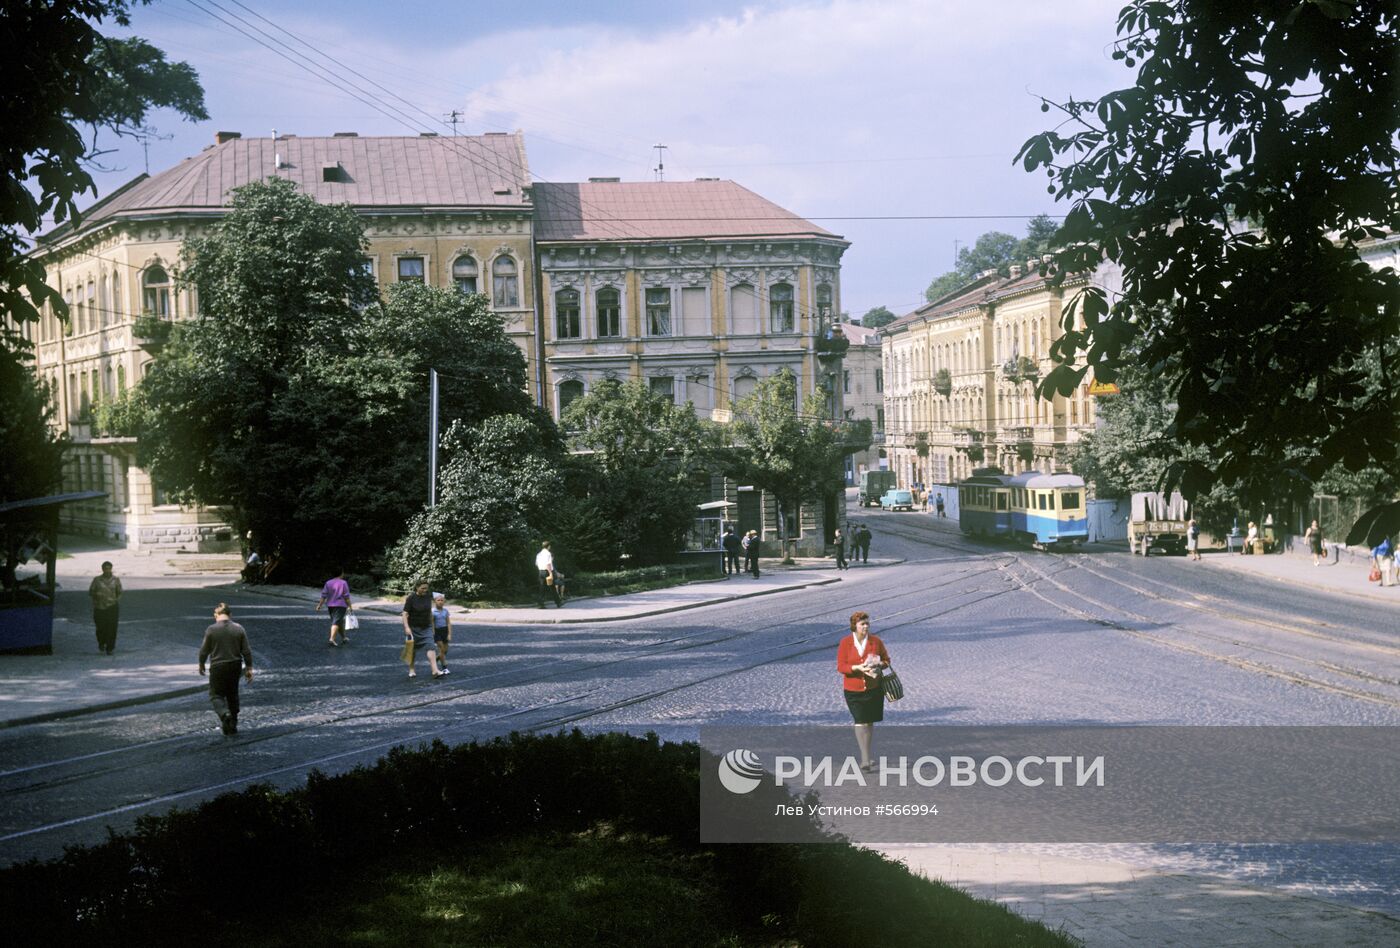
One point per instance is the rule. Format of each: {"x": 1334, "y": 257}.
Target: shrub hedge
{"x": 181, "y": 874}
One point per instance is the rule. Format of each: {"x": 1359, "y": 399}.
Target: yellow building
{"x": 961, "y": 374}
{"x": 446, "y": 211}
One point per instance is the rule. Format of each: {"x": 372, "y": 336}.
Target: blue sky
{"x": 840, "y": 110}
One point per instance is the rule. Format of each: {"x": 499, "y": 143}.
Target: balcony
{"x": 1021, "y": 434}
{"x": 150, "y": 332}
{"x": 964, "y": 438}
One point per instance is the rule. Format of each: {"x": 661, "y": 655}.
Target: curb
{"x": 105, "y": 706}
{"x": 393, "y": 608}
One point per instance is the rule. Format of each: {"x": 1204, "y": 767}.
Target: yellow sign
{"x": 1103, "y": 388}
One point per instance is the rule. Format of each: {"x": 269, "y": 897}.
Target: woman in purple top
{"x": 335, "y": 596}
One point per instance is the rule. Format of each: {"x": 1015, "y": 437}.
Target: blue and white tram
{"x": 984, "y": 503}
{"x": 1035, "y": 508}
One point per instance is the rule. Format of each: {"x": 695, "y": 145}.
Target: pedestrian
{"x": 442, "y": 629}
{"x": 861, "y": 659}
{"x": 418, "y": 628}
{"x": 1250, "y": 539}
{"x": 335, "y": 596}
{"x": 863, "y": 538}
{"x": 1314, "y": 537}
{"x": 1383, "y": 556}
{"x": 839, "y": 539}
{"x": 105, "y": 592}
{"x": 252, "y": 568}
{"x": 753, "y": 547}
{"x": 938, "y": 504}
{"x": 226, "y": 650}
{"x": 544, "y": 565}
{"x": 1193, "y": 539}
{"x": 732, "y": 547}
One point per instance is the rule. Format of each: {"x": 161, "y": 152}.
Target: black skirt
{"x": 867, "y": 707}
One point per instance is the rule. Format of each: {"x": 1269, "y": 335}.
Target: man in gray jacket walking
{"x": 226, "y": 650}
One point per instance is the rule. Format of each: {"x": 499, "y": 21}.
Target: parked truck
{"x": 1158, "y": 522}
{"x": 873, "y": 485}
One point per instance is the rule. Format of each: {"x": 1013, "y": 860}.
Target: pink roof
{"x": 388, "y": 172}
{"x": 652, "y": 210}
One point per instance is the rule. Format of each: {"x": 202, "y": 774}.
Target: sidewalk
{"x": 76, "y": 680}
{"x": 1345, "y": 576}
{"x": 1116, "y": 905}
{"x": 773, "y": 578}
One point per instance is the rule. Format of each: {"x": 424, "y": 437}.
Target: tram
{"x": 1039, "y": 509}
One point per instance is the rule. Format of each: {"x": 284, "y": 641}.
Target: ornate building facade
{"x": 699, "y": 288}
{"x": 446, "y": 211}
{"x": 961, "y": 374}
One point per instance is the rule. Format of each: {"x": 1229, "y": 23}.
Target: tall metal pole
{"x": 432, "y": 436}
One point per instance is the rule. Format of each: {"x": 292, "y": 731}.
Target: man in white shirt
{"x": 544, "y": 564}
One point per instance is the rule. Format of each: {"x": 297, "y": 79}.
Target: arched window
{"x": 609, "y": 312}
{"x": 116, "y": 297}
{"x": 464, "y": 274}
{"x": 568, "y": 391}
{"x": 121, "y": 379}
{"x": 744, "y": 386}
{"x": 780, "y": 317}
{"x": 155, "y": 295}
{"x": 566, "y": 318}
{"x": 505, "y": 283}
{"x": 824, "y": 300}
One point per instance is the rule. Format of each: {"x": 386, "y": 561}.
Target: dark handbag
{"x": 892, "y": 686}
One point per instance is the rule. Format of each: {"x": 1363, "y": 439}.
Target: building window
{"x": 665, "y": 386}
{"x": 743, "y": 310}
{"x": 846, "y": 381}
{"x": 658, "y": 311}
{"x": 410, "y": 269}
{"x": 568, "y": 391}
{"x": 880, "y": 419}
{"x": 824, "y": 300}
{"x": 566, "y": 321}
{"x": 505, "y": 283}
{"x": 780, "y": 308}
{"x": 695, "y": 311}
{"x": 464, "y": 274}
{"x": 96, "y": 314}
{"x": 155, "y": 298}
{"x": 609, "y": 312}
{"x": 744, "y": 387}
{"x": 879, "y": 380}
{"x": 116, "y": 298}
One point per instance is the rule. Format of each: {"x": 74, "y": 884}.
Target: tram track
{"x": 1235, "y": 661}
{"x": 787, "y": 651}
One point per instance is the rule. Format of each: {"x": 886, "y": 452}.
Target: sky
{"x": 848, "y": 112}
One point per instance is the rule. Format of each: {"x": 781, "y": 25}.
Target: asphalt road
{"x": 981, "y": 634}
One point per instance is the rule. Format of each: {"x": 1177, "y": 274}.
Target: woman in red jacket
{"x": 860, "y": 659}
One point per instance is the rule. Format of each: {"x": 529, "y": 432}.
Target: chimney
{"x": 345, "y": 135}
{"x": 1031, "y": 264}
{"x": 221, "y": 137}
{"x": 1015, "y": 271}
{"x": 604, "y": 180}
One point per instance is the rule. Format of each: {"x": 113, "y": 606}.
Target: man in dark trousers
{"x": 752, "y": 548}
{"x": 226, "y": 650}
{"x": 839, "y": 541}
{"x": 731, "y": 545}
{"x": 863, "y": 540}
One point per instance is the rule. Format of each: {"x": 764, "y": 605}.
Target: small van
{"x": 873, "y": 485}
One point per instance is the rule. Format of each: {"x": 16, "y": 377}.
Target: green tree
{"x": 648, "y": 459}
{"x": 997, "y": 251}
{"x": 796, "y": 457}
{"x": 877, "y": 317}
{"x": 498, "y": 490}
{"x": 33, "y": 453}
{"x": 1233, "y": 183}
{"x": 295, "y": 399}
{"x": 65, "y": 83}
{"x": 1128, "y": 451}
